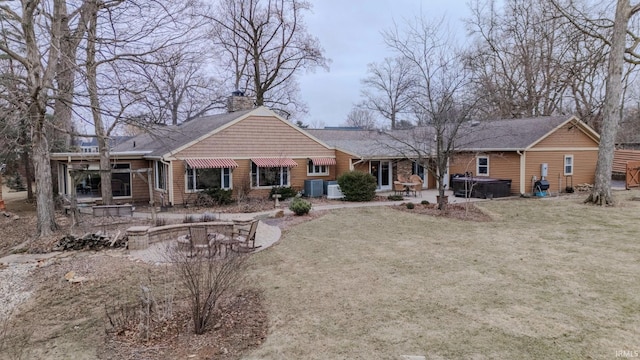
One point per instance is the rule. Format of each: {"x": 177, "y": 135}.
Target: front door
{"x": 381, "y": 170}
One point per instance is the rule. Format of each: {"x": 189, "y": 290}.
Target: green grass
{"x": 550, "y": 278}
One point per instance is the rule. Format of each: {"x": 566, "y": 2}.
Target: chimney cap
{"x": 237, "y": 93}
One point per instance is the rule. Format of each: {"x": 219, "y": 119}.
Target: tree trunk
{"x": 41, "y": 162}
{"x": 27, "y": 172}
{"x": 601, "y": 193}
{"x": 92, "y": 88}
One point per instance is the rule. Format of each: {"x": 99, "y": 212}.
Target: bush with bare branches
{"x": 207, "y": 280}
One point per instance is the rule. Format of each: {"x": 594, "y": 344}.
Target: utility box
{"x": 313, "y": 188}
{"x": 544, "y": 170}
{"x": 326, "y": 185}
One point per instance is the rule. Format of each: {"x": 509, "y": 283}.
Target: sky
{"x": 350, "y": 33}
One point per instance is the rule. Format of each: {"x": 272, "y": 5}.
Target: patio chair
{"x": 199, "y": 240}
{"x": 398, "y": 188}
{"x": 245, "y": 239}
{"x": 416, "y": 188}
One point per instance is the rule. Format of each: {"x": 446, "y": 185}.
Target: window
{"x": 316, "y": 169}
{"x": 269, "y": 176}
{"x": 482, "y": 166}
{"x": 162, "y": 170}
{"x": 568, "y": 164}
{"x": 199, "y": 179}
{"x": 121, "y": 181}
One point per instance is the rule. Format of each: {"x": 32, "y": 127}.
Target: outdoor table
{"x": 407, "y": 187}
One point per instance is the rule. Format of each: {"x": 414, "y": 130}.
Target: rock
{"x": 69, "y": 275}
{"x": 278, "y": 214}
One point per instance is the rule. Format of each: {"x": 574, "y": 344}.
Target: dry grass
{"x": 546, "y": 279}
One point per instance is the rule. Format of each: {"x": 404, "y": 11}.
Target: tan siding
{"x": 363, "y": 166}
{"x": 584, "y": 165}
{"x": 502, "y": 165}
{"x": 621, "y": 157}
{"x": 179, "y": 194}
{"x": 567, "y": 136}
{"x": 257, "y": 137}
{"x": 343, "y": 163}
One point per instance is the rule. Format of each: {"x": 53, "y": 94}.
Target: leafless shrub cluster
{"x": 207, "y": 281}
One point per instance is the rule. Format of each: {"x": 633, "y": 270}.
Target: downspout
{"x": 169, "y": 180}
{"x": 523, "y": 159}
{"x": 353, "y": 164}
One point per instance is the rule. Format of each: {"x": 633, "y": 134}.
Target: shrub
{"x": 424, "y": 202}
{"x": 357, "y": 186}
{"x": 395, "y": 197}
{"x": 300, "y": 206}
{"x": 220, "y": 196}
{"x": 410, "y": 205}
{"x": 285, "y": 192}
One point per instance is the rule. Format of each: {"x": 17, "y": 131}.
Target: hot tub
{"x": 480, "y": 187}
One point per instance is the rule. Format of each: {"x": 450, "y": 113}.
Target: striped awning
{"x": 323, "y": 161}
{"x": 274, "y": 162}
{"x": 211, "y": 163}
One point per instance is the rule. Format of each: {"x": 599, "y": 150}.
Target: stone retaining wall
{"x": 140, "y": 237}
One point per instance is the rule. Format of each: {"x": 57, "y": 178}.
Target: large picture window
{"x": 269, "y": 176}
{"x": 482, "y": 168}
{"x": 200, "y": 179}
{"x": 162, "y": 171}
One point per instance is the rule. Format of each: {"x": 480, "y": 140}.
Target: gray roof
{"x": 506, "y": 135}
{"x": 163, "y": 139}
{"x": 364, "y": 143}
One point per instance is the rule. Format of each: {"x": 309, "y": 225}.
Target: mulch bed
{"x": 468, "y": 212}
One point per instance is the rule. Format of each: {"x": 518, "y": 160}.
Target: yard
{"x": 548, "y": 278}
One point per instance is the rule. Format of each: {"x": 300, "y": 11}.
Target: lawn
{"x": 546, "y": 279}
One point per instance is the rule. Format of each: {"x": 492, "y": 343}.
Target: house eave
{"x": 70, "y": 156}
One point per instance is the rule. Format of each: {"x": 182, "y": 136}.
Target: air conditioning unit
{"x": 313, "y": 188}
{"x": 333, "y": 192}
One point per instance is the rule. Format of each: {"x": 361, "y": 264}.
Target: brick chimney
{"x": 238, "y": 102}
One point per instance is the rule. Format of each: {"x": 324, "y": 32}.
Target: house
{"x": 251, "y": 151}
{"x": 513, "y": 149}
{"x": 246, "y": 151}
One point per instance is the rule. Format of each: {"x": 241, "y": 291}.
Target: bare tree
{"x": 121, "y": 33}
{"x": 525, "y": 58}
{"x": 265, "y": 45}
{"x": 34, "y": 43}
{"x": 361, "y": 117}
{"x": 177, "y": 88}
{"x": 601, "y": 193}
{"x": 388, "y": 88}
{"x": 70, "y": 38}
{"x": 613, "y": 34}
{"x": 439, "y": 104}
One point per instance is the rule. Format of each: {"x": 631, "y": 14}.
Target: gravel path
{"x": 14, "y": 287}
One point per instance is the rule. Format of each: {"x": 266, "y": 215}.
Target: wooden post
{"x": 151, "y": 202}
